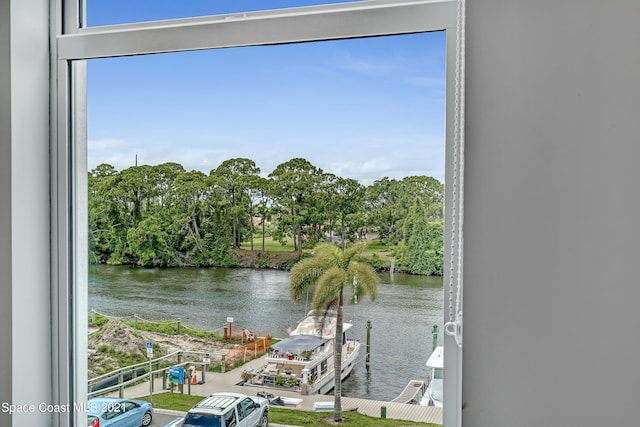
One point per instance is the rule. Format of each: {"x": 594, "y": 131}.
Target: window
{"x": 203, "y": 419}
{"x": 230, "y": 418}
{"x": 112, "y": 12}
{"x": 74, "y": 45}
{"x": 129, "y": 406}
{"x": 245, "y": 408}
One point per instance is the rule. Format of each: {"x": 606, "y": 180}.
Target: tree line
{"x": 166, "y": 216}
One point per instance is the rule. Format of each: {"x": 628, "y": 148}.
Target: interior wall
{"x": 551, "y": 213}
{"x": 25, "y": 294}
{"x": 5, "y": 207}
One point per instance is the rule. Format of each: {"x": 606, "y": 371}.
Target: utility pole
{"x": 368, "y": 344}
{"x": 434, "y": 335}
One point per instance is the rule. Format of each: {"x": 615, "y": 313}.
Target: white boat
{"x": 433, "y": 394}
{"x": 304, "y": 361}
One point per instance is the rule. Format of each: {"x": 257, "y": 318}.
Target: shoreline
{"x": 280, "y": 261}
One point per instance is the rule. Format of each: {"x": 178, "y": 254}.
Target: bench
{"x": 291, "y": 401}
{"x": 323, "y": 406}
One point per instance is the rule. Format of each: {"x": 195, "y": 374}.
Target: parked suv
{"x": 228, "y": 410}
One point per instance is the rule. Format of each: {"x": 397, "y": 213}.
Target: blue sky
{"x": 360, "y": 108}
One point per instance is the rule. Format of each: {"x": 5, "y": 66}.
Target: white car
{"x": 227, "y": 410}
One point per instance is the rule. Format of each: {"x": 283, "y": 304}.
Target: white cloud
{"x": 365, "y": 66}
{"x": 395, "y": 165}
{"x": 364, "y": 158}
{"x": 117, "y": 152}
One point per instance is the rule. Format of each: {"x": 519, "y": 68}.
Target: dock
{"x": 412, "y": 393}
{"x": 219, "y": 382}
{"x": 394, "y": 410}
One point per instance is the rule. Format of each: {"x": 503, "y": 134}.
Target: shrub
{"x": 376, "y": 262}
{"x": 290, "y": 382}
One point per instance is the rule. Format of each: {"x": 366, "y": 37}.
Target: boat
{"x": 433, "y": 395}
{"x": 304, "y": 361}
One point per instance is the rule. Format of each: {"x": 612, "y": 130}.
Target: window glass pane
{"x": 369, "y": 110}
{"x": 109, "y": 12}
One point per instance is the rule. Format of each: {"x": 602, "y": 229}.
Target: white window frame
{"x": 71, "y": 44}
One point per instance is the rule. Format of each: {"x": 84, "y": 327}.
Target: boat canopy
{"x": 296, "y": 344}
{"x": 319, "y": 326}
{"x": 312, "y": 326}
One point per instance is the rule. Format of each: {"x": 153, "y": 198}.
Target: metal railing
{"x": 129, "y": 375}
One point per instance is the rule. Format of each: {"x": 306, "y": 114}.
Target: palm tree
{"x": 333, "y": 271}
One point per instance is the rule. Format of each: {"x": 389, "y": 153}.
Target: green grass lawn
{"x": 376, "y": 245}
{"x": 184, "y": 402}
{"x": 270, "y": 245}
{"x": 174, "y": 401}
{"x": 377, "y": 249}
{"x": 373, "y": 247}
{"x": 378, "y": 254}
{"x": 325, "y": 418}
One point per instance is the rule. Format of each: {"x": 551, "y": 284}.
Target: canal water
{"x": 258, "y": 299}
